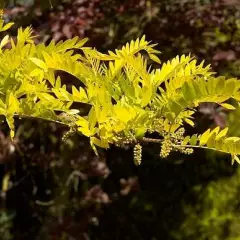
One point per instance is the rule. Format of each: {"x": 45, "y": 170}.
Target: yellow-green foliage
{"x": 216, "y": 214}
{"x": 128, "y": 98}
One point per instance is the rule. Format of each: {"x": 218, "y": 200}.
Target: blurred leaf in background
{"x": 215, "y": 215}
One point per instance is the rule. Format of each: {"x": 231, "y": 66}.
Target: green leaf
{"x": 12, "y": 103}
{"x": 6, "y": 27}
{"x": 92, "y": 119}
{"x": 72, "y": 111}
{"x": 222, "y": 134}
{"x": 228, "y": 106}
{"x": 99, "y": 143}
{"x": 93, "y": 147}
{"x": 186, "y": 140}
{"x": 39, "y": 63}
{"x": 140, "y": 132}
{"x": 235, "y": 158}
{"x": 85, "y": 131}
{"x": 154, "y": 58}
{"x": 193, "y": 140}
{"x": 4, "y": 41}
{"x": 36, "y": 72}
{"x": 204, "y": 137}
{"x": 147, "y": 95}
{"x": 189, "y": 121}
{"x": 82, "y": 122}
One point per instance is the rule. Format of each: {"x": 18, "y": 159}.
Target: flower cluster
{"x": 172, "y": 142}
{"x": 122, "y": 141}
{"x": 166, "y": 147}
{"x": 69, "y": 134}
{"x": 157, "y": 126}
{"x": 137, "y": 153}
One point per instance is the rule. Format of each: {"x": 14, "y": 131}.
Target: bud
{"x": 166, "y": 148}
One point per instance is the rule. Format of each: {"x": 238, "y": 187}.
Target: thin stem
{"x": 144, "y": 139}
{"x": 151, "y": 140}
{"x": 45, "y": 204}
{"x": 203, "y": 147}
{"x": 41, "y": 118}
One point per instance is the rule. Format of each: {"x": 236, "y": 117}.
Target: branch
{"x": 151, "y": 140}
{"x": 40, "y": 118}
{"x": 203, "y": 147}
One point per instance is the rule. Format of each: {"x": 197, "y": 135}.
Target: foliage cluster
{"x": 215, "y": 215}
{"x": 128, "y": 99}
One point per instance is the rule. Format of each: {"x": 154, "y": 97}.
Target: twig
{"x": 151, "y": 140}
{"x": 73, "y": 174}
{"x": 40, "y": 118}
{"x": 49, "y": 203}
{"x": 203, "y": 147}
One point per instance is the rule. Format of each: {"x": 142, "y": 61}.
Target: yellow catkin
{"x": 137, "y": 152}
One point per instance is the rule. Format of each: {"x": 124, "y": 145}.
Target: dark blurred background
{"x": 61, "y": 190}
